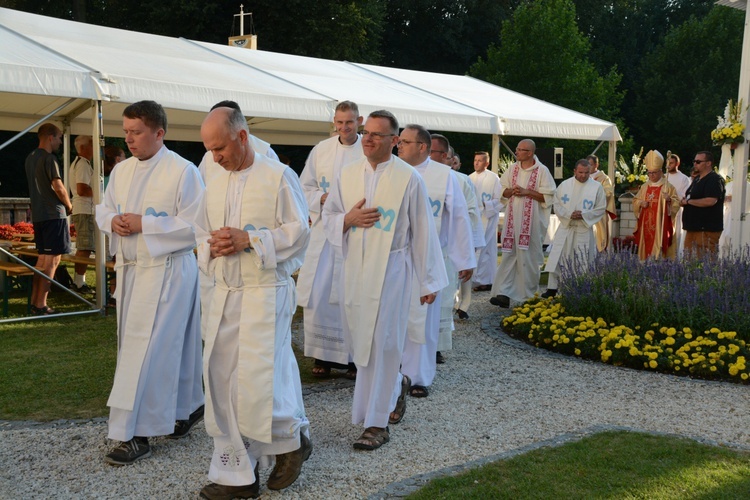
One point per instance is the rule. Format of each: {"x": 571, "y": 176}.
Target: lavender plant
{"x": 696, "y": 293}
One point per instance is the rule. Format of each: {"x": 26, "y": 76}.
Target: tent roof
{"x": 518, "y": 114}
{"x": 289, "y": 99}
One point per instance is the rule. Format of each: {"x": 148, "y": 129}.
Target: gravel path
{"x": 493, "y": 397}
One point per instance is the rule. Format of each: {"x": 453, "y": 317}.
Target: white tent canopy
{"x": 290, "y": 99}
{"x": 56, "y": 70}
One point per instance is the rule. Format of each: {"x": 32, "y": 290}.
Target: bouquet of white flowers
{"x": 628, "y": 176}
{"x": 729, "y": 128}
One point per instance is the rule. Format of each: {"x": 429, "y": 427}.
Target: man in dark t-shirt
{"x": 702, "y": 216}
{"x": 50, "y": 205}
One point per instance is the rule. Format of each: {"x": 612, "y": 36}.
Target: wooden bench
{"x": 15, "y": 275}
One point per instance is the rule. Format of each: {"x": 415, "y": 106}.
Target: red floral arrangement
{"x": 23, "y": 228}
{"x": 7, "y": 232}
{"x": 11, "y": 233}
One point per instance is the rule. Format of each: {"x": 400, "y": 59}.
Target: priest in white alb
{"x": 147, "y": 211}
{"x": 316, "y": 293}
{"x": 580, "y": 202}
{"x": 252, "y": 232}
{"x": 453, "y": 228}
{"x": 528, "y": 187}
{"x": 489, "y": 197}
{"x": 463, "y": 289}
{"x": 378, "y": 217}
{"x": 208, "y": 168}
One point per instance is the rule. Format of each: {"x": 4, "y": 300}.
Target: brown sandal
{"x": 398, "y": 412}
{"x": 321, "y": 371}
{"x": 372, "y": 439}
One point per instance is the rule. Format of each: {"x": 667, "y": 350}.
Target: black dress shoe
{"x": 462, "y": 314}
{"x": 551, "y": 292}
{"x": 182, "y": 427}
{"x": 500, "y": 300}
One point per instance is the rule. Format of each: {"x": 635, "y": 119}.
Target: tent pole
{"x": 99, "y": 246}
{"x": 597, "y": 148}
{"x": 33, "y": 125}
{"x": 66, "y": 161}
{"x": 611, "y": 155}
{"x": 738, "y": 231}
{"x": 507, "y": 148}
{"x": 495, "y": 152}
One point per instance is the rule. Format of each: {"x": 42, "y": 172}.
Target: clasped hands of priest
{"x": 126, "y": 224}
{"x": 227, "y": 241}
{"x": 521, "y": 192}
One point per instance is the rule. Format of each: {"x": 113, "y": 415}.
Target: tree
{"x": 623, "y": 32}
{"x": 337, "y": 29}
{"x": 442, "y": 36}
{"x": 677, "y": 99}
{"x": 543, "y": 54}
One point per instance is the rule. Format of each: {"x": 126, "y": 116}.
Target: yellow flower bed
{"x": 713, "y": 354}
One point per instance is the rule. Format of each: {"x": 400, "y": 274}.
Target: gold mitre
{"x": 654, "y": 161}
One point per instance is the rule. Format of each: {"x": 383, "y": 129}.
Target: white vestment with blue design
{"x": 158, "y": 375}
{"x": 575, "y": 242}
{"x": 377, "y": 282}
{"x": 454, "y": 231}
{"x": 489, "y": 196}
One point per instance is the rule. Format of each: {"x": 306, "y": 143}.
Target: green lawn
{"x": 57, "y": 369}
{"x": 621, "y": 465}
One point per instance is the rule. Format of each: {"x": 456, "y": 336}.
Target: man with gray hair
{"x": 253, "y": 231}
{"x": 82, "y": 217}
{"x": 528, "y": 189}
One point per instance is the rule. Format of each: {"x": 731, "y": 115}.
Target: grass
{"x": 57, "y": 369}
{"x": 63, "y": 369}
{"x": 606, "y": 465}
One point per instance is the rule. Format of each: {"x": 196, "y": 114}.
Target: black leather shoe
{"x": 551, "y": 292}
{"x": 500, "y": 300}
{"x": 182, "y": 427}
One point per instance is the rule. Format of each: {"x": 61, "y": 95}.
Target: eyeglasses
{"x": 374, "y": 135}
{"x": 699, "y": 161}
{"x": 410, "y": 142}
{"x": 653, "y": 172}
{"x": 438, "y": 151}
{"x": 521, "y": 149}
